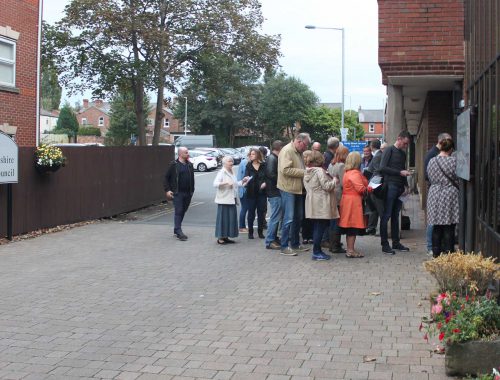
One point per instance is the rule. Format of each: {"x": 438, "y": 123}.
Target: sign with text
{"x": 355, "y": 146}
{"x": 463, "y": 145}
{"x": 8, "y": 159}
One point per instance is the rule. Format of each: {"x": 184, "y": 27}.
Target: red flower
{"x": 439, "y": 325}
{"x": 467, "y": 298}
{"x": 426, "y": 337}
{"x": 441, "y": 336}
{"x": 456, "y": 330}
{"x": 447, "y": 319}
{"x": 420, "y": 327}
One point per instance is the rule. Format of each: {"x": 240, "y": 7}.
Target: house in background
{"x": 94, "y": 114}
{"x": 48, "y": 120}
{"x": 372, "y": 122}
{"x": 19, "y": 69}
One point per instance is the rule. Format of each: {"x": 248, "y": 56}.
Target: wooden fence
{"x": 96, "y": 182}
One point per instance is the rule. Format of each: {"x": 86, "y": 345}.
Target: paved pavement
{"x": 125, "y": 300}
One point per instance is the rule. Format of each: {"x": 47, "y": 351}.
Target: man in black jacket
{"x": 376, "y": 204}
{"x": 393, "y": 168}
{"x": 273, "y": 195}
{"x": 179, "y": 186}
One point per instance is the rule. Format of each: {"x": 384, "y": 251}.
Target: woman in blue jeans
{"x": 256, "y": 192}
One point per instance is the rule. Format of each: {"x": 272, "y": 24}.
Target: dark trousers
{"x": 376, "y": 206}
{"x": 392, "y": 208}
{"x": 181, "y": 205}
{"x": 319, "y": 228}
{"x": 243, "y": 210}
{"x": 258, "y": 204}
{"x": 443, "y": 238}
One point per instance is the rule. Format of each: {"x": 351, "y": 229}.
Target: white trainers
{"x": 288, "y": 252}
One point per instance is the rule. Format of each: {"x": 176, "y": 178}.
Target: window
{"x": 101, "y": 121}
{"x": 371, "y": 128}
{"x": 150, "y": 122}
{"x": 84, "y": 121}
{"x": 7, "y": 62}
{"x": 167, "y": 123}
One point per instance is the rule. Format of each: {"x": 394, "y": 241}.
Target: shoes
{"x": 301, "y": 248}
{"x": 181, "y": 236}
{"x": 250, "y": 233}
{"x": 288, "y": 252}
{"x": 243, "y": 230}
{"x": 320, "y": 256}
{"x": 400, "y": 247}
{"x": 221, "y": 241}
{"x": 388, "y": 250}
{"x": 261, "y": 235}
{"x": 430, "y": 253}
{"x": 371, "y": 231}
{"x": 338, "y": 249}
{"x": 273, "y": 245}
{"x": 228, "y": 241}
{"x": 354, "y": 255}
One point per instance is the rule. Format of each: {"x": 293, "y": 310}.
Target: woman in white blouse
{"x": 226, "y": 197}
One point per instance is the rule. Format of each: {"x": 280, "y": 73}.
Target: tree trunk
{"x": 160, "y": 83}
{"x": 138, "y": 89}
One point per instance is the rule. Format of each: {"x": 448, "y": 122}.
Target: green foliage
{"x": 122, "y": 123}
{"x": 89, "y": 131}
{"x": 285, "y": 101}
{"x": 50, "y": 89}
{"x": 458, "y": 319}
{"x": 67, "y": 122}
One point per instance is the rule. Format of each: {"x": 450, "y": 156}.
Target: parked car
{"x": 244, "y": 150}
{"x": 215, "y": 152}
{"x": 233, "y": 153}
{"x": 202, "y": 161}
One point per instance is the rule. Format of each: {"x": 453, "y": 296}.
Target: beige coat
{"x": 290, "y": 170}
{"x": 320, "y": 199}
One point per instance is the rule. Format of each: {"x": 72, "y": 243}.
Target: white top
{"x": 227, "y": 186}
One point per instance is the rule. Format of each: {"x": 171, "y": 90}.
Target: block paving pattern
{"x": 127, "y": 301}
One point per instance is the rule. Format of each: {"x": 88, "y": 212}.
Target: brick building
{"x": 95, "y": 114}
{"x": 19, "y": 69}
{"x": 372, "y": 122}
{"x": 421, "y": 55}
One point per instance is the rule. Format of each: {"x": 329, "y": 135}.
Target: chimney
{"x": 85, "y": 103}
{"x": 98, "y": 103}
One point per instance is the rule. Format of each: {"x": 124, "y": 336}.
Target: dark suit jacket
{"x": 374, "y": 165}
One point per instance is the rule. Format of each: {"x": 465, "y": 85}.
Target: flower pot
{"x": 472, "y": 358}
{"x": 43, "y": 169}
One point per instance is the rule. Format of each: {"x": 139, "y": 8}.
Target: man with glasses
{"x": 291, "y": 171}
{"x": 393, "y": 169}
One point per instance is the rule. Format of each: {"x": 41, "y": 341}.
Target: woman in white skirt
{"x": 226, "y": 197}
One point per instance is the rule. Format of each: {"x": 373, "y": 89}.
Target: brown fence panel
{"x": 96, "y": 182}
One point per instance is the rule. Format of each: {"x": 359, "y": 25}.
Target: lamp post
{"x": 343, "y": 62}
{"x": 185, "y": 116}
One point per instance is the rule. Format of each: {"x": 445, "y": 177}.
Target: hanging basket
{"x": 44, "y": 169}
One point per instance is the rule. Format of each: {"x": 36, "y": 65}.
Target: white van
{"x": 195, "y": 141}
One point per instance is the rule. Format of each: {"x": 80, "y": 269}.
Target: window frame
{"x": 371, "y": 128}
{"x": 12, "y": 62}
{"x": 100, "y": 121}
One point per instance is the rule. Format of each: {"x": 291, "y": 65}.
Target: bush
{"x": 463, "y": 273}
{"x": 89, "y": 131}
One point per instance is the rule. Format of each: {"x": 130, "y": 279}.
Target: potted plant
{"x": 48, "y": 158}
{"x": 464, "y": 315}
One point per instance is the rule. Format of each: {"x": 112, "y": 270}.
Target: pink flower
{"x": 437, "y": 309}
{"x": 440, "y": 297}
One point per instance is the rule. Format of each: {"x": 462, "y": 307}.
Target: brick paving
{"x": 118, "y": 300}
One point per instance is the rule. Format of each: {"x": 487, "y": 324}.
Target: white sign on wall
{"x": 463, "y": 145}
{"x": 8, "y": 159}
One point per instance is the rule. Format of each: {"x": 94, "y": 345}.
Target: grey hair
{"x": 227, "y": 158}
{"x": 332, "y": 143}
{"x": 303, "y": 136}
{"x": 443, "y": 136}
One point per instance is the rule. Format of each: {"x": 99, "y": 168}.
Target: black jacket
{"x": 272, "y": 176}
{"x": 392, "y": 162}
{"x": 171, "y": 180}
{"x": 258, "y": 178}
{"x": 374, "y": 166}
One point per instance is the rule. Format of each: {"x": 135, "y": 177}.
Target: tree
{"x": 143, "y": 45}
{"x": 50, "y": 89}
{"x": 223, "y": 97}
{"x": 123, "y": 123}
{"x": 285, "y": 101}
{"x": 323, "y": 122}
{"x": 67, "y": 123}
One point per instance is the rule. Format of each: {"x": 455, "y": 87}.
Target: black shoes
{"x": 388, "y": 250}
{"x": 400, "y": 247}
{"x": 371, "y": 231}
{"x": 181, "y": 236}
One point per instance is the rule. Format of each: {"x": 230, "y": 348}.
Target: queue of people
{"x": 333, "y": 194}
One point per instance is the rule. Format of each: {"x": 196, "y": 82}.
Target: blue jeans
{"x": 243, "y": 210}
{"x": 293, "y": 213}
{"x": 258, "y": 204}
{"x": 274, "y": 219}
{"x": 181, "y": 205}
{"x": 319, "y": 227}
{"x": 392, "y": 208}
{"x": 428, "y": 234}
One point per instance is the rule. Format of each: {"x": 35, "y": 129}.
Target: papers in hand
{"x": 374, "y": 185}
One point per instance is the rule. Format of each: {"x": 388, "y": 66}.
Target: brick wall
{"x": 421, "y": 37}
{"x": 92, "y": 115}
{"x": 19, "y": 109}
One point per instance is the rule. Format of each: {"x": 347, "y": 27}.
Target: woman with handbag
{"x": 226, "y": 197}
{"x": 442, "y": 199}
{"x": 352, "y": 220}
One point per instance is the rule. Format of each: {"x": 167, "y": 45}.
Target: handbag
{"x": 364, "y": 202}
{"x": 446, "y": 175}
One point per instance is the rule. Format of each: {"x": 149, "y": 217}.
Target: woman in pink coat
{"x": 352, "y": 221}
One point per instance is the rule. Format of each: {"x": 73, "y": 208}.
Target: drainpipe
{"x": 38, "y": 70}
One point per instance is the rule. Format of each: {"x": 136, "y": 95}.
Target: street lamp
{"x": 343, "y": 62}
{"x": 185, "y": 116}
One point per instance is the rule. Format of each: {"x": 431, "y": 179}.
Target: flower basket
{"x": 472, "y": 358}
{"x": 48, "y": 158}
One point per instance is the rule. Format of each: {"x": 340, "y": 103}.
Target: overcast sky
{"x": 315, "y": 56}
